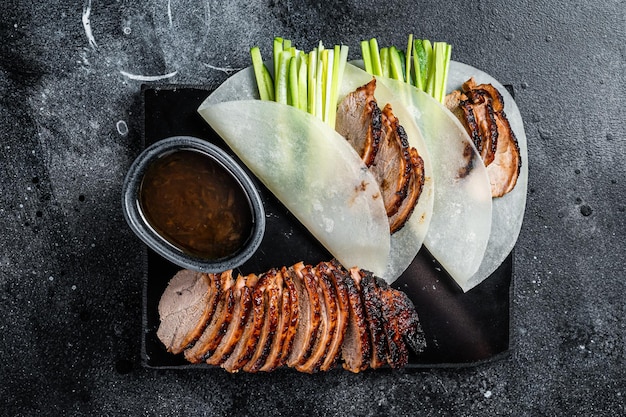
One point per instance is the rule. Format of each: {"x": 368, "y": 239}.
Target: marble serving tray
{"x": 462, "y": 329}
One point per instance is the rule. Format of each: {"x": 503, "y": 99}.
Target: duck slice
{"x": 272, "y": 361}
{"x": 185, "y": 308}
{"x": 242, "y": 290}
{"x": 248, "y": 342}
{"x": 392, "y": 165}
{"x": 311, "y": 317}
{"x": 212, "y": 335}
{"x": 397, "y": 350}
{"x": 480, "y": 108}
{"x": 273, "y": 297}
{"x": 504, "y": 168}
{"x": 337, "y": 277}
{"x": 328, "y": 322}
{"x": 356, "y": 348}
{"x": 416, "y": 184}
{"x": 297, "y": 305}
{"x": 375, "y": 319}
{"x": 359, "y": 120}
{"x": 408, "y": 322}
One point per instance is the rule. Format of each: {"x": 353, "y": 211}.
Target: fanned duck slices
{"x": 480, "y": 108}
{"x": 310, "y": 318}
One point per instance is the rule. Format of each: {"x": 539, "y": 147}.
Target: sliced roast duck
{"x": 480, "y": 108}
{"x": 381, "y": 141}
{"x": 310, "y": 318}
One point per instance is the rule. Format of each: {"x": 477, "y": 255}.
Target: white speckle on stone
{"x": 87, "y": 25}
{"x": 147, "y": 78}
{"x": 122, "y": 128}
{"x": 488, "y": 394}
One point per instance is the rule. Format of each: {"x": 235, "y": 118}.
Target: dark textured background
{"x": 70, "y": 269}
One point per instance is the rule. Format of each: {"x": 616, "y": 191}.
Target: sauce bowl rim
{"x": 147, "y": 234}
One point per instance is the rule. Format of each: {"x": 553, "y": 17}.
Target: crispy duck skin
{"x": 497, "y": 102}
{"x": 480, "y": 108}
{"x": 212, "y": 335}
{"x": 397, "y": 351}
{"x": 310, "y": 318}
{"x": 408, "y": 322}
{"x": 243, "y": 289}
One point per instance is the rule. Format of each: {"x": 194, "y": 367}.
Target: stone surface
{"x": 70, "y": 276}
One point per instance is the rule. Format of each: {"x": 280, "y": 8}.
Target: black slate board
{"x": 461, "y": 328}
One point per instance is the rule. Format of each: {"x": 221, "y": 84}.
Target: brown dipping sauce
{"x": 194, "y": 202}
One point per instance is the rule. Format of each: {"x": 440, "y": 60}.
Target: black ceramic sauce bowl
{"x": 140, "y": 224}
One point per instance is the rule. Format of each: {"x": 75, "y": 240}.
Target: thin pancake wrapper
{"x": 508, "y": 211}
{"x": 313, "y": 171}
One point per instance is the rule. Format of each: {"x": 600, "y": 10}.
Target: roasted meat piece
{"x": 480, "y": 108}
{"x": 286, "y": 327}
{"x": 407, "y": 321}
{"x": 392, "y": 166}
{"x": 310, "y": 318}
{"x": 359, "y": 120}
{"x": 212, "y": 335}
{"x": 297, "y": 306}
{"x": 338, "y": 278}
{"x": 357, "y": 347}
{"x": 414, "y": 190}
{"x": 328, "y": 322}
{"x": 247, "y": 345}
{"x": 186, "y": 307}
{"x": 375, "y": 320}
{"x": 242, "y": 291}
{"x": 273, "y": 296}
